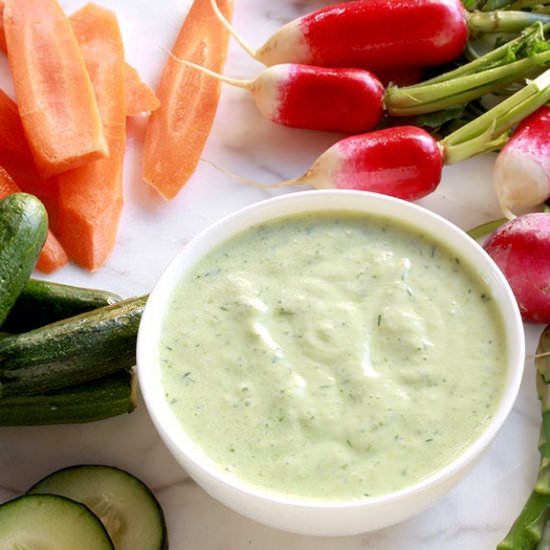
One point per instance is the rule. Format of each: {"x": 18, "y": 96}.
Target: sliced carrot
{"x": 22, "y": 170}
{"x": 3, "y": 46}
{"x": 7, "y": 184}
{"x": 177, "y": 131}
{"x": 140, "y": 98}
{"x": 12, "y": 135}
{"x": 16, "y": 156}
{"x": 89, "y": 198}
{"x": 53, "y": 89}
{"x": 52, "y": 256}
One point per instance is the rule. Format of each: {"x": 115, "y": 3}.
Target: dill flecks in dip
{"x": 332, "y": 356}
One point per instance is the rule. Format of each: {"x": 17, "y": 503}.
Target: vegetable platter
{"x": 475, "y": 515}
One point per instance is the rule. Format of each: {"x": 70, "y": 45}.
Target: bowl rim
{"x": 361, "y": 202}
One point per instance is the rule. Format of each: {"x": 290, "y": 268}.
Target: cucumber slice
{"x": 128, "y": 509}
{"x": 49, "y": 521}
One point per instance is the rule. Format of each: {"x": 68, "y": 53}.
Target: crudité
{"x": 437, "y": 82}
{"x": 87, "y": 506}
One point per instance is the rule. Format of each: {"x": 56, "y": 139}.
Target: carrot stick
{"x": 140, "y": 98}
{"x": 3, "y": 46}
{"x": 53, "y": 89}
{"x": 22, "y": 170}
{"x": 84, "y": 203}
{"x": 7, "y": 184}
{"x": 89, "y": 198}
{"x": 52, "y": 256}
{"x": 177, "y": 131}
{"x": 16, "y": 156}
{"x": 12, "y": 135}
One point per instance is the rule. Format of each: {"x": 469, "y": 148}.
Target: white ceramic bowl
{"x": 293, "y": 514}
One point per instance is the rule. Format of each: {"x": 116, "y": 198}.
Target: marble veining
{"x": 474, "y": 516}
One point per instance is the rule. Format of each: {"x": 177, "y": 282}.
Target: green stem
{"x": 489, "y": 73}
{"x": 543, "y": 482}
{"x": 492, "y": 57}
{"x": 542, "y": 360}
{"x": 530, "y": 530}
{"x": 488, "y": 131}
{"x": 521, "y": 536}
{"x": 544, "y": 543}
{"x": 503, "y": 21}
{"x": 485, "y": 229}
{"x": 542, "y": 365}
{"x": 442, "y": 95}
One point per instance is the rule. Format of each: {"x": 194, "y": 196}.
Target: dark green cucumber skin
{"x": 72, "y": 351}
{"x": 23, "y": 231}
{"x": 107, "y": 397}
{"x": 43, "y": 302}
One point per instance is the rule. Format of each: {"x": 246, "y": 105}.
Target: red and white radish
{"x": 378, "y": 34}
{"x": 521, "y": 248}
{"x": 521, "y": 175}
{"x": 404, "y": 162}
{"x": 316, "y": 98}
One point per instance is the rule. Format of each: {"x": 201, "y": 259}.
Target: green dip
{"x": 332, "y": 356}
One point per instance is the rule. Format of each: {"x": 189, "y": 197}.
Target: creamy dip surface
{"x": 332, "y": 356}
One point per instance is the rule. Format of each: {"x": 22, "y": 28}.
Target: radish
{"x": 522, "y": 170}
{"x": 316, "y": 98}
{"x": 521, "y": 248}
{"x": 352, "y": 100}
{"x": 381, "y": 34}
{"x": 378, "y": 34}
{"x": 406, "y": 161}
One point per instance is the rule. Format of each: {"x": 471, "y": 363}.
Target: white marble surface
{"x": 474, "y": 516}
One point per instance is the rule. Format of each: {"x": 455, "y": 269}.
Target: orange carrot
{"x": 89, "y": 198}
{"x": 7, "y": 185}
{"x": 15, "y": 154}
{"x": 177, "y": 131}
{"x": 22, "y": 170}
{"x": 12, "y": 135}
{"x": 53, "y": 89}
{"x": 52, "y": 256}
{"x": 3, "y": 46}
{"x": 140, "y": 98}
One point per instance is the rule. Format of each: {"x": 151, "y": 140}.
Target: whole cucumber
{"x": 103, "y": 398}
{"x": 23, "y": 231}
{"x": 43, "y": 302}
{"x": 72, "y": 351}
